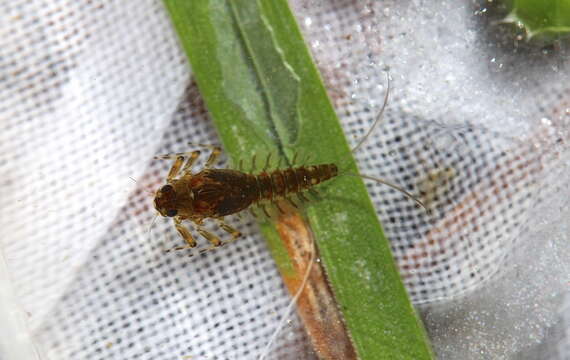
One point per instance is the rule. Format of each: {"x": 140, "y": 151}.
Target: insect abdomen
{"x": 280, "y": 183}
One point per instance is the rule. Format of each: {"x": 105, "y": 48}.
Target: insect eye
{"x": 171, "y": 212}
{"x": 166, "y": 188}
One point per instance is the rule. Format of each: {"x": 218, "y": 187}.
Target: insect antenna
{"x": 147, "y": 190}
{"x": 378, "y": 117}
{"x": 367, "y": 136}
{"x": 151, "y": 225}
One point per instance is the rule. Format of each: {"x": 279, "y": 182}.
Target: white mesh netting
{"x": 478, "y": 126}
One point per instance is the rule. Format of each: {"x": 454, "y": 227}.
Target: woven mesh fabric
{"x": 477, "y": 126}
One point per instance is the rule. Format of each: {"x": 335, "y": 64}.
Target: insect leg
{"x": 191, "y": 160}
{"x": 175, "y": 168}
{"x": 216, "y": 151}
{"x": 279, "y": 208}
{"x": 307, "y": 159}
{"x": 294, "y": 161}
{"x": 227, "y": 228}
{"x": 186, "y": 235}
{"x": 174, "y": 155}
{"x": 230, "y": 230}
{"x": 290, "y": 201}
{"x": 315, "y": 193}
{"x": 302, "y": 197}
{"x": 178, "y": 161}
{"x": 252, "y": 212}
{"x": 262, "y": 206}
{"x": 267, "y": 161}
{"x": 253, "y": 162}
{"x": 213, "y": 239}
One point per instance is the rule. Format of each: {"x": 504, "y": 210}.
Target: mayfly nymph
{"x": 215, "y": 193}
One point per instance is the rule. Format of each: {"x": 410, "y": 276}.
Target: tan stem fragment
{"x": 316, "y": 305}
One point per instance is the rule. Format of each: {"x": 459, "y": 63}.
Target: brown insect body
{"x": 214, "y": 193}
{"x": 281, "y": 183}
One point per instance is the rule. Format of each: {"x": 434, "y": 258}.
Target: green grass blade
{"x": 265, "y": 95}
{"x": 550, "y": 19}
